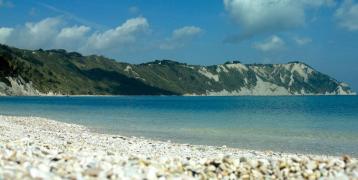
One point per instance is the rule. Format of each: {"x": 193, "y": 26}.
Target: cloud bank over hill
{"x": 54, "y": 33}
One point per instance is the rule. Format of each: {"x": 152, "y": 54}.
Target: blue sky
{"x": 322, "y": 33}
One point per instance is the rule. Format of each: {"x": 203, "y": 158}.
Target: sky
{"x": 321, "y": 33}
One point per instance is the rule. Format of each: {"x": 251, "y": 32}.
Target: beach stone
{"x": 211, "y": 168}
{"x": 253, "y": 163}
{"x": 38, "y": 174}
{"x": 311, "y": 165}
{"x": 39, "y": 148}
{"x": 94, "y": 172}
{"x": 152, "y": 173}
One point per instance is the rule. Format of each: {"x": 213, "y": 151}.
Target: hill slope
{"x": 39, "y": 72}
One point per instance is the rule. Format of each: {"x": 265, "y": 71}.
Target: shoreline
{"x": 32, "y": 147}
{"x": 183, "y": 95}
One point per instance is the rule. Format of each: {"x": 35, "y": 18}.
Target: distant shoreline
{"x": 353, "y": 94}
{"x": 52, "y": 72}
{"x": 44, "y": 148}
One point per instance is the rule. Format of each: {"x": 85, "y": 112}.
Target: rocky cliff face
{"x": 234, "y": 78}
{"x": 17, "y": 87}
{"x": 25, "y": 72}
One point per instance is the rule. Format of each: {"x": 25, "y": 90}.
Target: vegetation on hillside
{"x": 63, "y": 72}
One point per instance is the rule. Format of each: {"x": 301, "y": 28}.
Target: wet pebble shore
{"x": 38, "y": 148}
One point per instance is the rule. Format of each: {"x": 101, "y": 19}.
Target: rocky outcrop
{"x": 18, "y": 87}
{"x": 237, "y": 79}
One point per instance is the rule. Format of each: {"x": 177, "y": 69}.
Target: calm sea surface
{"x": 312, "y": 124}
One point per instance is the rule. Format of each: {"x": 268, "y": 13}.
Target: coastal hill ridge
{"x": 58, "y": 72}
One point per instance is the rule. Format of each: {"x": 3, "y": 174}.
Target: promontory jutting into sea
{"x": 57, "y": 72}
{"x": 305, "y": 133}
{"x": 192, "y": 90}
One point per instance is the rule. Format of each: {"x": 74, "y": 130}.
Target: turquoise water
{"x": 310, "y": 124}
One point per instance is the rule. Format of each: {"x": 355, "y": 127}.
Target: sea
{"x": 295, "y": 124}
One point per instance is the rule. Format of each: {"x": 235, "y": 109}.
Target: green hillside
{"x": 71, "y": 73}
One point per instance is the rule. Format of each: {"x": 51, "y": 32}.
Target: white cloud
{"x": 180, "y": 37}
{"x": 259, "y": 16}
{"x": 186, "y": 32}
{"x": 302, "y": 40}
{"x": 47, "y": 33}
{"x": 347, "y": 15}
{"x": 73, "y": 32}
{"x": 39, "y": 34}
{"x": 5, "y": 34}
{"x": 71, "y": 37}
{"x": 273, "y": 43}
{"x": 121, "y": 35}
{"x": 53, "y": 33}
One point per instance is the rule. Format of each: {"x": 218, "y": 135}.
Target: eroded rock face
{"x": 18, "y": 87}
{"x": 294, "y": 78}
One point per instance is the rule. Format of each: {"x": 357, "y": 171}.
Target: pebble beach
{"x": 39, "y": 148}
